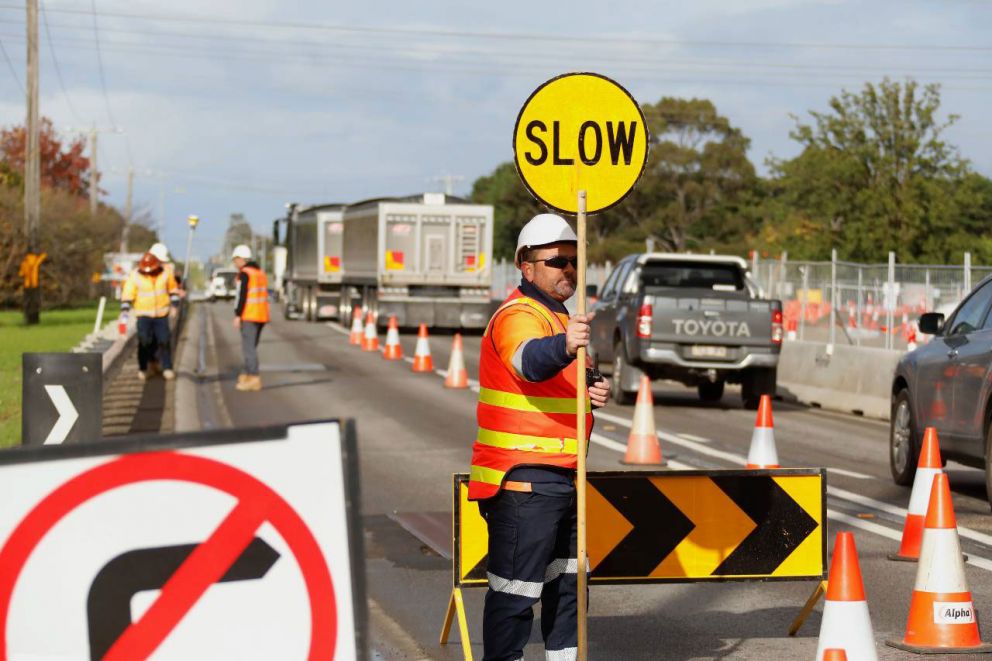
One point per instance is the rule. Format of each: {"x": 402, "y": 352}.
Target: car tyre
{"x": 620, "y": 367}
{"x": 904, "y": 449}
{"x": 711, "y": 391}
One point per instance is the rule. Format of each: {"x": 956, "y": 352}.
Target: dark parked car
{"x": 946, "y": 384}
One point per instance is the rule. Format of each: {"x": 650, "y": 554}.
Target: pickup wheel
{"x": 620, "y": 367}
{"x": 711, "y": 391}
{"x": 903, "y": 447}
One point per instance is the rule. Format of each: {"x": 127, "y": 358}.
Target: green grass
{"x": 59, "y": 330}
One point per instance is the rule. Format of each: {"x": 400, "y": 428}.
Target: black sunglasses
{"x": 558, "y": 262}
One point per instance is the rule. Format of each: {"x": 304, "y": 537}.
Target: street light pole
{"x": 193, "y": 221}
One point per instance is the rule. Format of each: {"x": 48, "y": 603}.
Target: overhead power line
{"x": 10, "y": 65}
{"x": 55, "y": 61}
{"x": 99, "y": 60}
{"x": 519, "y": 36}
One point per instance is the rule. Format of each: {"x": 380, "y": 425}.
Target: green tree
{"x": 875, "y": 175}
{"x": 696, "y": 183}
{"x": 513, "y": 206}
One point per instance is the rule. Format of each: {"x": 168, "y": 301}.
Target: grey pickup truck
{"x": 696, "y": 319}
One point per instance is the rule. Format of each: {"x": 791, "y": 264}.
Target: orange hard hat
{"x": 149, "y": 264}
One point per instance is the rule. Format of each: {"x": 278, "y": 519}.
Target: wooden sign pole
{"x": 580, "y": 477}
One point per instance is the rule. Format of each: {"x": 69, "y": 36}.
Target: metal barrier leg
{"x": 456, "y": 606}
{"x": 820, "y": 590}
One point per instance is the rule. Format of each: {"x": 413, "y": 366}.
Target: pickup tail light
{"x": 777, "y": 327}
{"x": 644, "y": 317}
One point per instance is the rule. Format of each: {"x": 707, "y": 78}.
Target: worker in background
{"x": 150, "y": 292}
{"x": 162, "y": 252}
{"x": 251, "y": 313}
{"x": 525, "y": 454}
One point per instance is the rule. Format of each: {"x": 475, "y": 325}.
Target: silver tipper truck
{"x": 425, "y": 258}
{"x": 311, "y": 277}
{"x": 695, "y": 319}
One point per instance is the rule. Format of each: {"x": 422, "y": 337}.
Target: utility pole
{"x": 94, "y": 184}
{"x": 127, "y": 210}
{"x": 32, "y": 177}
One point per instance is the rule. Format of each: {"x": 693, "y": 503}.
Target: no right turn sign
{"x": 236, "y": 544}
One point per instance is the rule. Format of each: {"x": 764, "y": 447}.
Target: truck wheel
{"x": 903, "y": 449}
{"x": 620, "y": 367}
{"x": 711, "y": 391}
{"x": 755, "y": 383}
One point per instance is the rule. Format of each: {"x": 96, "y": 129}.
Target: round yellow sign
{"x": 580, "y": 131}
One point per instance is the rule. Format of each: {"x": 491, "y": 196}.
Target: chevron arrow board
{"x": 682, "y": 527}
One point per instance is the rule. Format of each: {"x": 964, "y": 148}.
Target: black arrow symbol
{"x": 108, "y": 605}
{"x": 659, "y": 526}
{"x": 782, "y": 525}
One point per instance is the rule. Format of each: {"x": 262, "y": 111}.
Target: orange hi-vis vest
{"x": 149, "y": 295}
{"x": 257, "y": 298}
{"x": 522, "y": 423}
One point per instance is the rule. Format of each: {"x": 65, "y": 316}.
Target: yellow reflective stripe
{"x": 509, "y": 441}
{"x": 487, "y": 475}
{"x": 529, "y": 403}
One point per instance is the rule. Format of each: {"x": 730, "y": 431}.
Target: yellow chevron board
{"x": 682, "y": 526}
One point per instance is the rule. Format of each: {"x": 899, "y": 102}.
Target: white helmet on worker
{"x": 160, "y": 251}
{"x": 543, "y": 229}
{"x": 242, "y": 251}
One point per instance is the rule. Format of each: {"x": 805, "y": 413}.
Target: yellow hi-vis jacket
{"x": 149, "y": 295}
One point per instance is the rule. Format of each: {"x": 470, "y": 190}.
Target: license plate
{"x": 706, "y": 351}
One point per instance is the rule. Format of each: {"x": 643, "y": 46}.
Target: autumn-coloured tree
{"x": 63, "y": 165}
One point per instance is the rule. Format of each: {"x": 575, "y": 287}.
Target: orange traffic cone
{"x": 422, "y": 361}
{"x": 457, "y": 376}
{"x": 393, "y": 349}
{"x": 845, "y": 622}
{"x": 927, "y": 467}
{"x": 942, "y": 617}
{"x": 370, "y": 339}
{"x": 642, "y": 444}
{"x": 834, "y": 654}
{"x": 357, "y": 332}
{"x": 938, "y": 410}
{"x": 762, "y": 453}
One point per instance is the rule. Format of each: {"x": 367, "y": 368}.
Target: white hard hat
{"x": 160, "y": 251}
{"x": 242, "y": 251}
{"x": 543, "y": 229}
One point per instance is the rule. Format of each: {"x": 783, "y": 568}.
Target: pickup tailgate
{"x": 710, "y": 326}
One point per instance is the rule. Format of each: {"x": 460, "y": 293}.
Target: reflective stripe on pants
{"x": 531, "y": 557}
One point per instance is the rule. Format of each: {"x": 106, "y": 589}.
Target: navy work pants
{"x": 532, "y": 540}
{"x": 153, "y": 332}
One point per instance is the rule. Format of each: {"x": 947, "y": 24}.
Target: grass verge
{"x": 59, "y": 330}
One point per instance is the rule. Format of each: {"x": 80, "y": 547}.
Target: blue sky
{"x": 243, "y": 106}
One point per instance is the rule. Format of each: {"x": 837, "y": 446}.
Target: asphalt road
{"x": 413, "y": 434}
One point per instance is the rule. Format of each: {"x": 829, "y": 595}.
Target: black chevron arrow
{"x": 659, "y": 526}
{"x": 108, "y": 606}
{"x": 782, "y": 525}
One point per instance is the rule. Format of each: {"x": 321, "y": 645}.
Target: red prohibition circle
{"x": 144, "y": 467}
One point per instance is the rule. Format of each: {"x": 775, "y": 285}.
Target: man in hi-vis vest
{"x": 150, "y": 292}
{"x": 525, "y": 453}
{"x": 251, "y": 313}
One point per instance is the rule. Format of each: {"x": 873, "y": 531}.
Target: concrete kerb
{"x": 186, "y": 412}
{"x": 847, "y": 379}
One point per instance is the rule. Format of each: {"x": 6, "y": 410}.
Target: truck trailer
{"x": 310, "y": 282}
{"x": 424, "y": 258}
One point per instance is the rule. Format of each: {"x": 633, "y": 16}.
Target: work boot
{"x": 142, "y": 375}
{"x": 241, "y": 378}
{"x": 252, "y": 382}
{"x": 154, "y": 368}
{"x": 168, "y": 375}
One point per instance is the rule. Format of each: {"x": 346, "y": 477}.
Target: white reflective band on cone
{"x": 940, "y": 568}
{"x": 392, "y": 336}
{"x": 423, "y": 348}
{"x": 519, "y": 588}
{"x": 919, "y": 500}
{"x": 846, "y": 625}
{"x": 762, "y": 450}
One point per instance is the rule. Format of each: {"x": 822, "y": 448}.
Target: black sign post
{"x": 61, "y": 398}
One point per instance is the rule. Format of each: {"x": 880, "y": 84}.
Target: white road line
{"x": 847, "y": 473}
{"x": 692, "y": 437}
{"x": 338, "y": 327}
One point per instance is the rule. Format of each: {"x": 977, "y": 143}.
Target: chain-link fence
{"x": 874, "y": 305}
